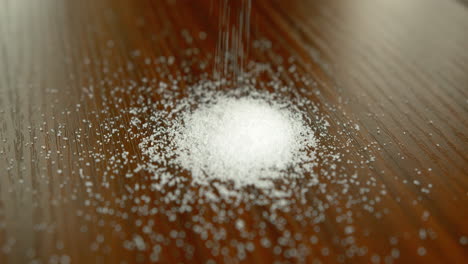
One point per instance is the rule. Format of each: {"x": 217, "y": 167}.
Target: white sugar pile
{"x": 224, "y": 141}
{"x": 242, "y": 140}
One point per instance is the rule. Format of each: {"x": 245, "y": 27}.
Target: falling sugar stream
{"x": 233, "y": 38}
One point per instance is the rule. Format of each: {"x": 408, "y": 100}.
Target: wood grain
{"x": 397, "y": 69}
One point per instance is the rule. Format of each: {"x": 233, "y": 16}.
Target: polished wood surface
{"x": 398, "y": 69}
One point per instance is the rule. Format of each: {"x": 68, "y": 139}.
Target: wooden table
{"x": 391, "y": 76}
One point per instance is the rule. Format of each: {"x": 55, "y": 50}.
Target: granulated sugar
{"x": 182, "y": 157}
{"x": 228, "y": 140}
{"x": 190, "y": 155}
{"x": 243, "y": 140}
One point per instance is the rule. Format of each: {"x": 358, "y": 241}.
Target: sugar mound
{"x": 242, "y": 140}
{"x": 238, "y": 145}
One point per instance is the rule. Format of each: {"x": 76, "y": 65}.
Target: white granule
{"x": 220, "y": 143}
{"x": 209, "y": 152}
{"x": 242, "y": 140}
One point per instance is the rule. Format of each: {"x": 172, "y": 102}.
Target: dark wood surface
{"x": 398, "y": 69}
